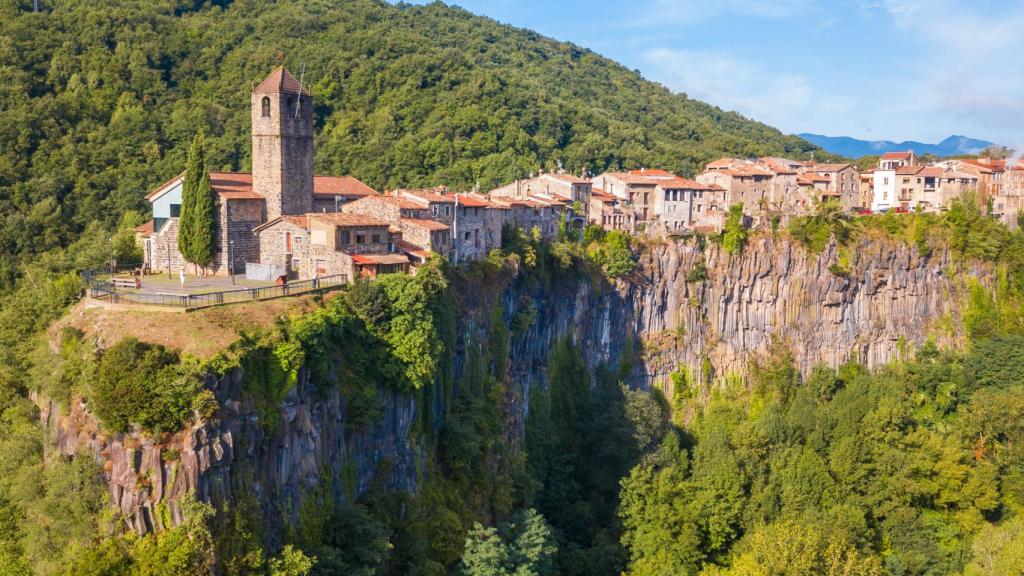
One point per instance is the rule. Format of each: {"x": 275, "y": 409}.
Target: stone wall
{"x": 282, "y": 151}
{"x": 236, "y": 222}
{"x": 273, "y": 247}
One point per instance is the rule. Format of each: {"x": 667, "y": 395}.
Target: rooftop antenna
{"x": 302, "y": 77}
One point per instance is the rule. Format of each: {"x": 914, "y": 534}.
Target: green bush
{"x": 734, "y": 234}
{"x": 146, "y": 385}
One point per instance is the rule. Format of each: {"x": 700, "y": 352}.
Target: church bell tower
{"x": 282, "y": 144}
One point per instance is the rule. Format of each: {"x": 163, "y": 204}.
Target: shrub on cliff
{"x": 734, "y": 234}
{"x": 614, "y": 254}
{"x": 146, "y": 385}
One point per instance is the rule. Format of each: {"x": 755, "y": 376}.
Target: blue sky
{"x": 874, "y": 69}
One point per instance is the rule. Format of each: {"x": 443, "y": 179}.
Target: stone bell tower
{"x": 282, "y": 144}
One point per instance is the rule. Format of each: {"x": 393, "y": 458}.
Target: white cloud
{"x": 965, "y": 63}
{"x": 785, "y": 100}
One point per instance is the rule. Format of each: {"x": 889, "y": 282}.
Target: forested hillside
{"x": 99, "y": 100}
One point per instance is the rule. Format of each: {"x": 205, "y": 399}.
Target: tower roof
{"x": 280, "y": 81}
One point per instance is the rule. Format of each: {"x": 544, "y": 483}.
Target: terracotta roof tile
{"x": 425, "y": 224}
{"x": 145, "y": 229}
{"x": 897, "y": 155}
{"x": 379, "y": 258}
{"x": 280, "y": 80}
{"x": 340, "y": 186}
{"x": 344, "y": 219}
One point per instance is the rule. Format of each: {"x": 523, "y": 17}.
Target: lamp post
{"x": 231, "y": 261}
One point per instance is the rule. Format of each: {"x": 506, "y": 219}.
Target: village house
{"x": 316, "y": 245}
{"x": 843, "y": 181}
{"x": 744, "y": 181}
{"x": 1007, "y": 204}
{"x": 814, "y": 188}
{"x": 988, "y": 171}
{"x": 636, "y": 190}
{"x": 894, "y": 160}
{"x": 555, "y": 184}
{"x": 685, "y": 205}
{"x": 532, "y": 213}
{"x": 867, "y": 188}
{"x": 607, "y": 212}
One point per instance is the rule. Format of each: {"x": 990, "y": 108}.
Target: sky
{"x": 872, "y": 69}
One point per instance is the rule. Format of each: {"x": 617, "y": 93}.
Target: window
{"x": 447, "y": 210}
{"x": 175, "y": 210}
{"x": 266, "y": 107}
{"x": 467, "y": 236}
{"x": 360, "y": 237}
{"x": 295, "y": 264}
{"x": 436, "y": 209}
{"x": 376, "y": 238}
{"x": 344, "y": 237}
{"x": 668, "y": 194}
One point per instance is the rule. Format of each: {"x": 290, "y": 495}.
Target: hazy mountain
{"x": 855, "y": 148}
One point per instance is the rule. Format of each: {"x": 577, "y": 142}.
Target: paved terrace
{"x": 198, "y": 291}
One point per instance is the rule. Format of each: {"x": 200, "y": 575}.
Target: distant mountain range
{"x": 854, "y": 148}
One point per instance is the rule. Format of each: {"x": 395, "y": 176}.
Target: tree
{"x": 523, "y": 546}
{"x": 198, "y": 209}
{"x": 788, "y": 548}
{"x": 734, "y": 234}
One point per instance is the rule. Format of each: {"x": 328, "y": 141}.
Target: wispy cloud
{"x": 785, "y": 100}
{"x": 966, "y": 60}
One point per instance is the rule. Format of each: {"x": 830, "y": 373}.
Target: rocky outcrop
{"x": 889, "y": 296}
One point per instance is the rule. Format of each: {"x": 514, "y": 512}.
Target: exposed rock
{"x": 773, "y": 290}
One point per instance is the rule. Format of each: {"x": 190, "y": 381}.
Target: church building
{"x": 282, "y": 184}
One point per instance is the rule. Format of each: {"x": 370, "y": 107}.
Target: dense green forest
{"x": 100, "y": 100}
{"x": 914, "y": 468}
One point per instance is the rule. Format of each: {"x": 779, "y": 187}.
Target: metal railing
{"x": 104, "y": 290}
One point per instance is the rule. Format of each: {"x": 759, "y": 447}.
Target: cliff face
{"x": 773, "y": 290}
{"x": 888, "y": 294}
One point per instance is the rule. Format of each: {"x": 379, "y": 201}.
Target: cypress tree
{"x": 198, "y": 209}
{"x": 203, "y": 217}
{"x": 194, "y": 167}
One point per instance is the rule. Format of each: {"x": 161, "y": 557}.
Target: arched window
{"x": 266, "y": 106}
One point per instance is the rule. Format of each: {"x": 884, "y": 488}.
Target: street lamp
{"x": 231, "y": 261}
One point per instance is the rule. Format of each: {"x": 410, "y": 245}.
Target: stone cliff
{"x": 888, "y": 297}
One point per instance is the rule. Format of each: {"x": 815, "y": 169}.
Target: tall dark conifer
{"x": 198, "y": 209}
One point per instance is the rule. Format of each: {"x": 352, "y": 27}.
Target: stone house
{"x": 420, "y": 238}
{"x": 607, "y": 212}
{"x": 388, "y": 208}
{"x": 813, "y": 189}
{"x": 636, "y": 190}
{"x": 529, "y": 214}
{"x": 285, "y": 243}
{"x": 988, "y": 171}
{"x": 1007, "y": 205}
{"x": 353, "y": 244}
{"x": 684, "y": 205}
{"x": 748, "y": 183}
{"x": 843, "y": 180}
{"x": 557, "y": 184}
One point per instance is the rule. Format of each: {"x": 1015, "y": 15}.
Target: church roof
{"x": 280, "y": 81}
